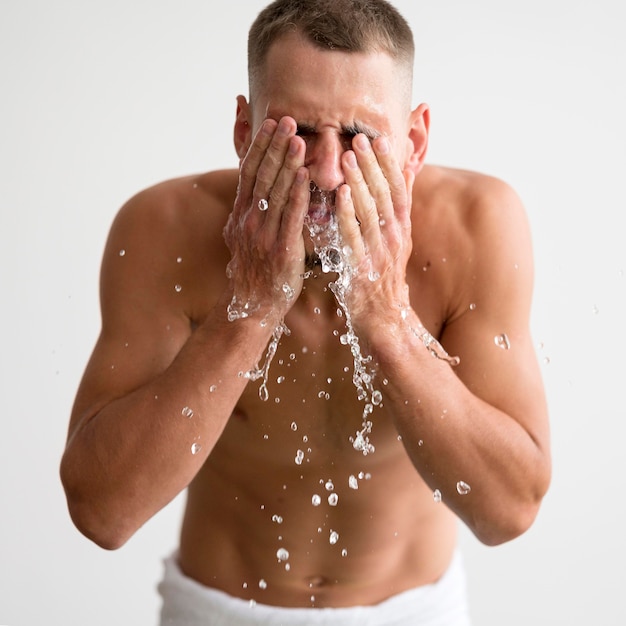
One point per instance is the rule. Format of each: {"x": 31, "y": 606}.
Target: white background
{"x": 101, "y": 99}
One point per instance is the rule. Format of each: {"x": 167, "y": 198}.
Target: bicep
{"x": 143, "y": 326}
{"x": 492, "y": 335}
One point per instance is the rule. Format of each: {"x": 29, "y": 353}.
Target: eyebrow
{"x": 346, "y": 129}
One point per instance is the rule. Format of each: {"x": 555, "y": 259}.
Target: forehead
{"x": 316, "y": 84}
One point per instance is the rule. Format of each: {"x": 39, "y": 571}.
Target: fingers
{"x": 374, "y": 205}
{"x": 268, "y": 172}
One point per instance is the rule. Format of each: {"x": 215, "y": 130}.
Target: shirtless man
{"x": 200, "y": 274}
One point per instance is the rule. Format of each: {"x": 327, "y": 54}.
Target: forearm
{"x": 135, "y": 454}
{"x": 487, "y": 468}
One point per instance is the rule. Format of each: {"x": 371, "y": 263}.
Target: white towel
{"x": 188, "y": 603}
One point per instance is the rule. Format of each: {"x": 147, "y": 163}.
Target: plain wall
{"x": 101, "y": 99}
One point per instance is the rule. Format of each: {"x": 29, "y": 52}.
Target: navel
{"x": 315, "y": 582}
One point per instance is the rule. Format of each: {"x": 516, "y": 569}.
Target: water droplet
{"x": 122, "y": 252}
{"x": 329, "y": 485}
{"x": 288, "y": 291}
{"x": 502, "y": 341}
{"x": 317, "y": 310}
{"x": 437, "y": 495}
{"x": 178, "y": 288}
{"x": 252, "y": 603}
{"x": 344, "y": 552}
{"x": 195, "y": 448}
{"x": 377, "y": 398}
{"x": 333, "y": 538}
{"x": 187, "y": 412}
{"x": 282, "y": 554}
{"x": 333, "y": 499}
{"x": 264, "y": 394}
{"x": 262, "y": 584}
{"x": 472, "y": 306}
{"x": 280, "y": 379}
{"x": 212, "y": 388}
{"x": 353, "y": 483}
{"x": 299, "y": 457}
{"x": 316, "y": 500}
{"x": 463, "y": 488}
{"x": 294, "y": 426}
{"x": 277, "y": 518}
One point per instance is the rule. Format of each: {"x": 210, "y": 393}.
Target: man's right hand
{"x": 264, "y": 232}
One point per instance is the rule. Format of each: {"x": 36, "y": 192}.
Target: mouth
{"x": 320, "y": 213}
{"x": 321, "y": 206}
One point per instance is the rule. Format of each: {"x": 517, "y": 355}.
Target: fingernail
{"x": 294, "y": 146}
{"x": 283, "y": 127}
{"x": 350, "y": 160}
{"x": 362, "y": 142}
{"x": 383, "y": 145}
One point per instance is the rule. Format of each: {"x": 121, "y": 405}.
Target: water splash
{"x": 430, "y": 343}
{"x": 263, "y": 371}
{"x": 333, "y": 256}
{"x": 238, "y": 310}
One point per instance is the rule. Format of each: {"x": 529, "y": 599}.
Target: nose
{"x": 323, "y": 158}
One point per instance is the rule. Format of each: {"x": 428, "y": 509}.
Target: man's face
{"x": 332, "y": 95}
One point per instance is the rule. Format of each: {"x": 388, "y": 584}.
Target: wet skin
{"x": 439, "y": 239}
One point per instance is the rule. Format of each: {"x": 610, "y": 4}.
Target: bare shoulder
{"x": 474, "y": 208}
{"x": 180, "y": 202}
{"x": 162, "y": 266}
{"x": 473, "y": 228}
{"x": 469, "y": 194}
{"x": 172, "y": 231}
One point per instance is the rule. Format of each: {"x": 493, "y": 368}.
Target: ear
{"x": 242, "y": 134}
{"x": 417, "y": 140}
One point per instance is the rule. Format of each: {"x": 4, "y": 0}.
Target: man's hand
{"x": 374, "y": 214}
{"x": 264, "y": 231}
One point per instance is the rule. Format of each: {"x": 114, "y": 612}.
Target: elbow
{"x": 505, "y": 528}
{"x": 91, "y": 514}
{"x": 512, "y": 518}
{"x": 105, "y": 536}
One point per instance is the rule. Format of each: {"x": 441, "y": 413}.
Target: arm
{"x": 155, "y": 398}
{"x": 483, "y": 422}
